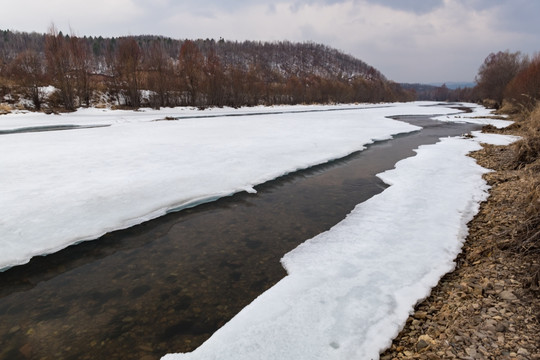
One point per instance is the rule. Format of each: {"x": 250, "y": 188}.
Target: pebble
{"x": 421, "y": 344}
{"x": 507, "y": 295}
{"x": 26, "y": 350}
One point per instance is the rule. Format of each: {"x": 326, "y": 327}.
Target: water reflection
{"x": 168, "y": 284}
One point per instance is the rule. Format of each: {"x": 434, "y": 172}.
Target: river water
{"x": 168, "y": 284}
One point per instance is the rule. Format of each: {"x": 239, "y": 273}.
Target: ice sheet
{"x": 62, "y": 187}
{"x": 479, "y": 115}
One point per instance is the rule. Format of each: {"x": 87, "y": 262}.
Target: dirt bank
{"x": 489, "y": 307}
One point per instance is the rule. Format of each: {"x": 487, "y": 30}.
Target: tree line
{"x": 441, "y": 93}
{"x": 505, "y": 78}
{"x": 136, "y": 71}
{"x": 510, "y": 79}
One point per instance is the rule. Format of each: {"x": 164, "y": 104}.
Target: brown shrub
{"x": 524, "y": 89}
{"x": 528, "y": 148}
{"x": 509, "y": 107}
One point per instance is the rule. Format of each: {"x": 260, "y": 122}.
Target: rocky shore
{"x": 488, "y": 308}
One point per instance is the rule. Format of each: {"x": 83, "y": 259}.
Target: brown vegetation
{"x": 155, "y": 71}
{"x": 523, "y": 91}
{"x": 496, "y": 72}
{"x": 527, "y": 159}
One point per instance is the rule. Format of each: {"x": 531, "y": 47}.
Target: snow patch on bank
{"x": 479, "y": 115}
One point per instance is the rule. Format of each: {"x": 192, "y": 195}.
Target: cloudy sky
{"x": 407, "y": 40}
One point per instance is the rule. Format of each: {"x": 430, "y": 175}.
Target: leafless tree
{"x": 524, "y": 88}
{"x": 496, "y": 72}
{"x": 59, "y": 58}
{"x": 81, "y": 68}
{"x": 28, "y": 70}
{"x": 160, "y": 76}
{"x": 191, "y": 71}
{"x": 128, "y": 61}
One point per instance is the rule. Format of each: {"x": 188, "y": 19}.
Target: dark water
{"x": 48, "y": 128}
{"x": 168, "y": 284}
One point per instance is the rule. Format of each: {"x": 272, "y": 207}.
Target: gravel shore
{"x": 488, "y": 308}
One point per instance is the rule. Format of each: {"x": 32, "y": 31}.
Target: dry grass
{"x": 528, "y": 149}
{"x": 5, "y": 109}
{"x": 527, "y": 162}
{"x": 526, "y": 235}
{"x": 517, "y": 178}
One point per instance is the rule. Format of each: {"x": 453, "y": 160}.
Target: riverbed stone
{"x": 507, "y": 295}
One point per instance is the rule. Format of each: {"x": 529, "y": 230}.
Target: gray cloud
{"x": 415, "y": 6}
{"x": 521, "y": 16}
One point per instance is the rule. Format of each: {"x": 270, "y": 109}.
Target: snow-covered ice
{"x": 348, "y": 291}
{"x": 62, "y": 187}
{"x": 479, "y": 115}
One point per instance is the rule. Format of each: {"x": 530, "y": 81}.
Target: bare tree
{"x": 128, "y": 60}
{"x": 28, "y": 70}
{"x": 524, "y": 89}
{"x": 160, "y": 75}
{"x": 81, "y": 68}
{"x": 59, "y": 59}
{"x": 191, "y": 70}
{"x": 496, "y": 72}
{"x": 215, "y": 76}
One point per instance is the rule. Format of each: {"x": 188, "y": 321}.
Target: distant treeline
{"x": 441, "y": 93}
{"x": 505, "y": 78}
{"x": 136, "y": 71}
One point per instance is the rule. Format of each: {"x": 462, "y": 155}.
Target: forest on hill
{"x": 155, "y": 71}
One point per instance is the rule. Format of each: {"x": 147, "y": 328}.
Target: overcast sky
{"x": 407, "y": 40}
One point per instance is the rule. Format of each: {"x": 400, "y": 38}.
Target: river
{"x": 166, "y": 285}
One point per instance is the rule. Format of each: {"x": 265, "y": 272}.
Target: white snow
{"x": 62, "y": 187}
{"x": 494, "y": 139}
{"x": 348, "y": 291}
{"x": 480, "y": 115}
{"x": 106, "y": 116}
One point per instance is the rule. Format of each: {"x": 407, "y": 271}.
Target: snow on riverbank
{"x": 479, "y": 115}
{"x": 349, "y": 290}
{"x": 62, "y": 187}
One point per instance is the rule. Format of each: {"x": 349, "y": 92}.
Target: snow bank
{"x": 479, "y": 115}
{"x": 106, "y": 116}
{"x": 62, "y": 187}
{"x": 349, "y": 290}
{"x": 494, "y": 139}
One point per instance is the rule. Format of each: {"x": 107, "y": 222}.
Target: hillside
{"x": 157, "y": 71}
